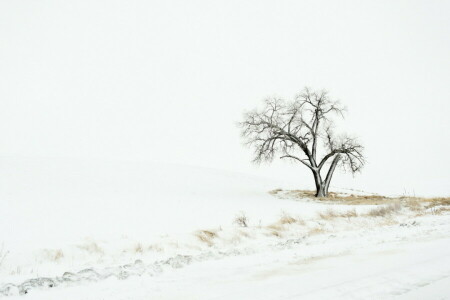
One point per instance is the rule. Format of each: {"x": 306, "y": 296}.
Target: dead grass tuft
{"x": 384, "y": 210}
{"x": 287, "y": 219}
{"x": 275, "y": 191}
{"x": 206, "y": 236}
{"x": 373, "y": 199}
{"x": 138, "y": 248}
{"x": 244, "y": 233}
{"x": 155, "y": 248}
{"x": 433, "y": 202}
{"x": 241, "y": 220}
{"x": 276, "y": 233}
{"x": 328, "y": 214}
{"x": 413, "y": 204}
{"x": 54, "y": 255}
{"x": 349, "y": 214}
{"x": 92, "y": 247}
{"x": 276, "y": 229}
{"x": 316, "y": 230}
{"x": 439, "y": 210}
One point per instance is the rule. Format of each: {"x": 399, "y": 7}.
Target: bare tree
{"x": 295, "y": 130}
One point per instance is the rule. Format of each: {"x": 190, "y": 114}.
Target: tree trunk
{"x": 320, "y": 187}
{"x": 330, "y": 173}
{"x": 323, "y": 185}
{"x": 320, "y": 191}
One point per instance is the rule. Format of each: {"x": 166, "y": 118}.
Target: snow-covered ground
{"x": 78, "y": 229}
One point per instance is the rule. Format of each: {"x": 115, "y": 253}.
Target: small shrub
{"x": 241, "y": 220}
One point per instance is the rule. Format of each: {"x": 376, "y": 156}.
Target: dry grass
{"x": 287, "y": 219}
{"x": 349, "y": 214}
{"x": 384, "y": 210}
{"x": 316, "y": 230}
{"x": 332, "y": 214}
{"x": 155, "y": 248}
{"x": 275, "y": 191}
{"x": 241, "y": 220}
{"x": 276, "y": 233}
{"x": 138, "y": 248}
{"x": 363, "y": 199}
{"x": 433, "y": 202}
{"x": 346, "y": 199}
{"x": 412, "y": 202}
{"x": 244, "y": 233}
{"x": 206, "y": 236}
{"x": 328, "y": 214}
{"x": 439, "y": 210}
{"x": 92, "y": 247}
{"x": 276, "y": 229}
{"x": 54, "y": 255}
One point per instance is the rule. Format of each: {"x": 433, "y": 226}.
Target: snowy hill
{"x": 66, "y": 223}
{"x": 52, "y": 203}
{"x": 60, "y": 199}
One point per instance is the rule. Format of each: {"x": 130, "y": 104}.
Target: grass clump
{"x": 206, "y": 236}
{"x": 384, "y": 210}
{"x": 287, "y": 219}
{"x": 241, "y": 220}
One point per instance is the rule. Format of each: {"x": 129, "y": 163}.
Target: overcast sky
{"x": 168, "y": 80}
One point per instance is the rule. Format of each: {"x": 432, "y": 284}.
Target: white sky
{"x": 168, "y": 80}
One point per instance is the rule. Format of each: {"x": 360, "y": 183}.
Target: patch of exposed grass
{"x": 276, "y": 233}
{"x": 275, "y": 191}
{"x": 439, "y": 210}
{"x": 328, "y": 214}
{"x": 433, "y": 202}
{"x": 347, "y": 199}
{"x": 413, "y": 204}
{"x": 349, "y": 214}
{"x": 383, "y": 211}
{"x": 332, "y": 214}
{"x": 276, "y": 229}
{"x": 206, "y": 236}
{"x": 316, "y": 230}
{"x": 287, "y": 219}
{"x": 374, "y": 199}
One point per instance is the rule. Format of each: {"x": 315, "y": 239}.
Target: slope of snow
{"x": 409, "y": 261}
{"x": 59, "y": 207}
{"x": 128, "y": 230}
